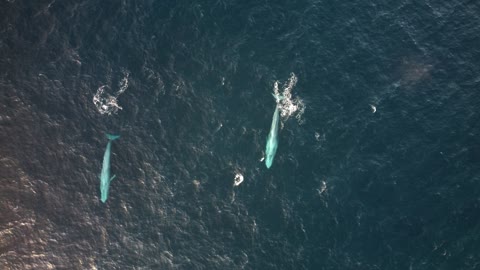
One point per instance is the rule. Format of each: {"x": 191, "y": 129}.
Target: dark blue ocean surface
{"x": 381, "y": 171}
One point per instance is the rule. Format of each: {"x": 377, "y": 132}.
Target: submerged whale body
{"x": 272, "y": 139}
{"x": 105, "y": 178}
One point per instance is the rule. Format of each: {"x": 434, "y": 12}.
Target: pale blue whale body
{"x": 105, "y": 178}
{"x": 272, "y": 139}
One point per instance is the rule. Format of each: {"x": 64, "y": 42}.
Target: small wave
{"x": 289, "y": 106}
{"x": 107, "y": 103}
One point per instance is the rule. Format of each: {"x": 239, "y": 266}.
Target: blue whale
{"x": 272, "y": 139}
{"x": 105, "y": 178}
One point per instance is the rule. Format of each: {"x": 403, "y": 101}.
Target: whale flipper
{"x": 112, "y": 178}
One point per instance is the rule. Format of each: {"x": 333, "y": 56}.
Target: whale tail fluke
{"x": 268, "y": 164}
{"x": 112, "y": 137}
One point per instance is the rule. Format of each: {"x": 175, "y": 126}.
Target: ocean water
{"x": 378, "y": 166}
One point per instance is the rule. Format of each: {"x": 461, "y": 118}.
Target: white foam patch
{"x": 289, "y": 106}
{"x": 107, "y": 103}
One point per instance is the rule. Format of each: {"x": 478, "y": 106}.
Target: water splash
{"x": 289, "y": 106}
{"x": 107, "y": 103}
{"x": 238, "y": 179}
